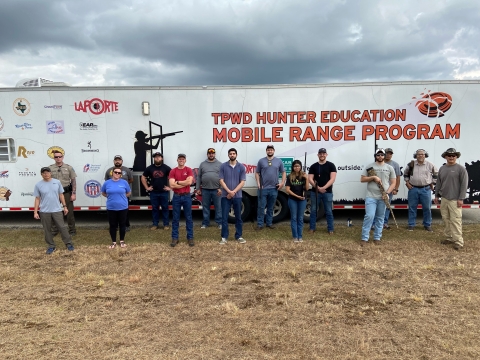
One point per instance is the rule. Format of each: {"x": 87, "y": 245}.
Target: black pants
{"x": 117, "y": 218}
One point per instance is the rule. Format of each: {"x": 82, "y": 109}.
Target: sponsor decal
{"x": 24, "y": 126}
{"x": 27, "y": 173}
{"x": 89, "y": 144}
{"x": 3, "y": 173}
{"x": 250, "y": 169}
{"x": 1, "y": 124}
{"x": 88, "y": 126}
{"x": 91, "y": 168}
{"x": 23, "y": 152}
{"x": 350, "y": 167}
{"x": 92, "y": 188}
{"x": 97, "y": 106}
{"x": 21, "y": 107}
{"x": 54, "y": 107}
{"x": 53, "y": 149}
{"x": 5, "y": 193}
{"x": 55, "y": 127}
{"x": 27, "y": 194}
{"x": 435, "y": 104}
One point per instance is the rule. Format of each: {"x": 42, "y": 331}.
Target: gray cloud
{"x": 239, "y": 42}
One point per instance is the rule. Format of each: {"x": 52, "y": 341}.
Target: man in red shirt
{"x": 180, "y": 179}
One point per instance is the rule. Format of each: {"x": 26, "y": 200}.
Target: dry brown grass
{"x": 327, "y": 298}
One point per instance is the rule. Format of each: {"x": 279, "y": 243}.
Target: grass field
{"x": 327, "y": 298}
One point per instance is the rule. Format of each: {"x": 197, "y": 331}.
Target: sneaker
{"x": 70, "y": 247}
{"x": 203, "y": 227}
{"x": 174, "y": 242}
{"x": 191, "y": 243}
{"x": 271, "y": 227}
{"x": 376, "y": 242}
{"x": 223, "y": 241}
{"x": 385, "y": 226}
{"x": 259, "y": 228}
{"x": 457, "y": 247}
{"x": 127, "y": 229}
{"x": 410, "y": 228}
{"x": 446, "y": 242}
{"x": 154, "y": 227}
{"x": 73, "y": 233}
{"x": 166, "y": 227}
{"x": 50, "y": 251}
{"x": 241, "y": 240}
{"x": 330, "y": 233}
{"x": 295, "y": 240}
{"x": 428, "y": 228}
{"x": 219, "y": 227}
{"x": 300, "y": 240}
{"x": 363, "y": 242}
{"x": 311, "y": 231}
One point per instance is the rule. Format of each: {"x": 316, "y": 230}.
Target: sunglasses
{"x": 58, "y": 157}
{"x": 379, "y": 154}
{"x": 451, "y": 155}
{"x": 117, "y": 172}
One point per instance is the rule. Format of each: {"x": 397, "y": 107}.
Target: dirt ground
{"x": 326, "y": 298}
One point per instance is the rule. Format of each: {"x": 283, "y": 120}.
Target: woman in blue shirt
{"x": 116, "y": 190}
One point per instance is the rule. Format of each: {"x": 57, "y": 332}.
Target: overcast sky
{"x": 234, "y": 42}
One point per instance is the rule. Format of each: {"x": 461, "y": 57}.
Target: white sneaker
{"x": 241, "y": 240}
{"x": 295, "y": 240}
{"x": 203, "y": 227}
{"x": 219, "y": 227}
{"x": 300, "y": 240}
{"x": 223, "y": 241}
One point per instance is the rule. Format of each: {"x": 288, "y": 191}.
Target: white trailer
{"x": 92, "y": 124}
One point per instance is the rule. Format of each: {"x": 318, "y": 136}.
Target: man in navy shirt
{"x": 159, "y": 189}
{"x": 232, "y": 178}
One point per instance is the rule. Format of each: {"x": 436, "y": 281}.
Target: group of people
{"x": 221, "y": 184}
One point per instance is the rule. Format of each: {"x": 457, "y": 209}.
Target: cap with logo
{"x": 322, "y": 150}
{"x": 388, "y": 150}
{"x": 380, "y": 151}
{"x": 270, "y": 146}
{"x": 211, "y": 151}
{"x": 451, "y": 151}
{"x": 45, "y": 169}
{"x": 181, "y": 156}
{"x": 118, "y": 157}
{"x": 158, "y": 154}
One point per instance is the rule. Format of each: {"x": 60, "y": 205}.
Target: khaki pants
{"x": 452, "y": 217}
{"x": 70, "y": 215}
{"x": 54, "y": 219}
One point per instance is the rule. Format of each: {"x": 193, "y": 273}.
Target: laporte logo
{"x": 21, "y": 107}
{"x": 97, "y": 106}
{"x": 434, "y": 104}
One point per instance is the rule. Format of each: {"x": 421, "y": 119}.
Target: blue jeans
{"x": 268, "y": 196}
{"x": 424, "y": 197}
{"x": 387, "y": 212}
{"x": 237, "y": 209}
{"x": 177, "y": 202}
{"x": 327, "y": 200}
{"x": 208, "y": 196}
{"x": 159, "y": 199}
{"x": 297, "y": 210}
{"x": 374, "y": 214}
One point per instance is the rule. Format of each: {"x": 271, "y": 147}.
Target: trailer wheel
{"x": 280, "y": 209}
{"x": 308, "y": 209}
{"x": 246, "y": 209}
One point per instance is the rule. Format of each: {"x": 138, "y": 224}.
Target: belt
{"x": 420, "y": 187}
{"x": 182, "y": 194}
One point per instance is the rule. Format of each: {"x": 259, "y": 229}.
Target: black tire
{"x": 320, "y": 211}
{"x": 280, "y": 209}
{"x": 246, "y": 209}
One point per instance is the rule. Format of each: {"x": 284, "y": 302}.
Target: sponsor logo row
{"x": 53, "y": 126}
{"x": 23, "y": 152}
{"x": 95, "y": 106}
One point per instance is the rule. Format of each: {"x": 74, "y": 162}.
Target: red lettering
{"x": 301, "y": 117}
{"x": 215, "y": 118}
{"x": 311, "y": 115}
{"x": 409, "y": 132}
{"x": 334, "y": 116}
{"x": 437, "y": 132}
{"x": 389, "y": 115}
{"x": 233, "y": 135}
{"x": 374, "y": 114}
{"x": 261, "y": 118}
{"x": 308, "y": 134}
{"x": 219, "y": 135}
{"x": 247, "y": 118}
{"x": 324, "y": 117}
{"x": 247, "y": 134}
{"x": 225, "y": 118}
{"x": 321, "y": 133}
{"x": 295, "y": 133}
{"x": 336, "y": 133}
{"x": 401, "y": 114}
{"x": 354, "y": 113}
{"x": 381, "y": 132}
{"x": 106, "y": 106}
{"x": 347, "y": 131}
{"x": 367, "y": 130}
{"x": 276, "y": 132}
{"x": 236, "y": 118}
{"x": 365, "y": 116}
{"x": 395, "y": 132}
{"x": 422, "y": 130}
{"x": 452, "y": 132}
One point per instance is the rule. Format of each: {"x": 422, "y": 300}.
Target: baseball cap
{"x": 182, "y": 155}
{"x": 388, "y": 150}
{"x": 381, "y": 150}
{"x": 270, "y": 146}
{"x": 158, "y": 153}
{"x": 211, "y": 151}
{"x": 118, "y": 157}
{"x": 322, "y": 150}
{"x": 45, "y": 169}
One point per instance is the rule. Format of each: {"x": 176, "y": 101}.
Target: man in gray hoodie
{"x": 208, "y": 186}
